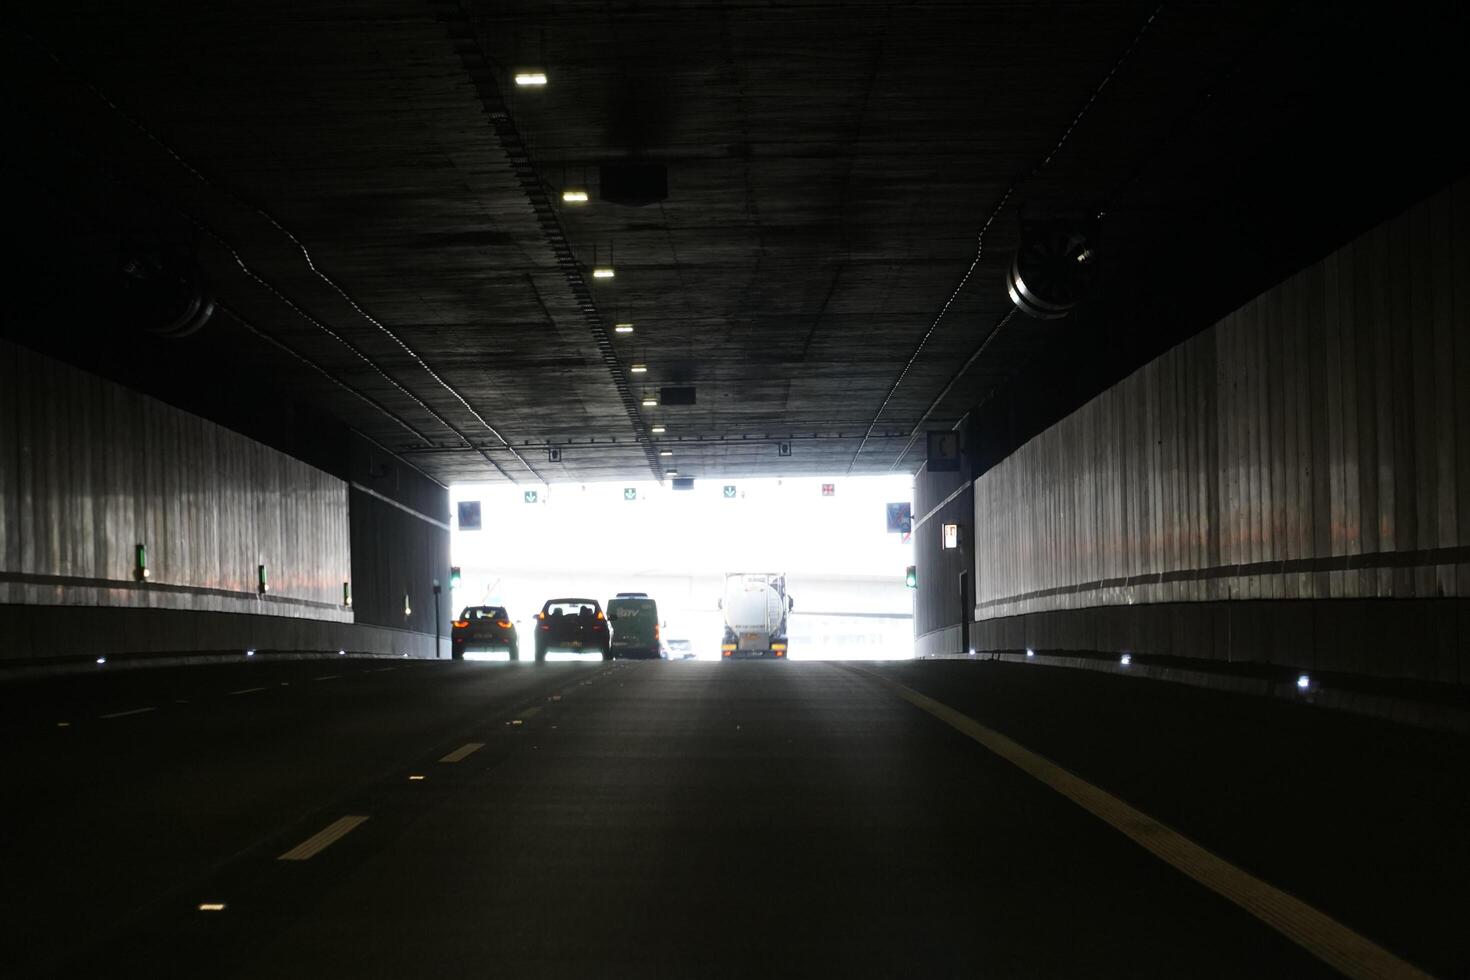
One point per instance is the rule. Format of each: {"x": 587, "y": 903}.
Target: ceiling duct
{"x": 676, "y": 395}
{"x": 634, "y": 183}
{"x": 1054, "y": 268}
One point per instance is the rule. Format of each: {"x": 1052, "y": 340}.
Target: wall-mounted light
{"x": 622, "y": 328}
{"x": 140, "y": 562}
{"x": 574, "y": 196}
{"x": 347, "y": 594}
{"x": 603, "y": 272}
{"x": 407, "y": 607}
{"x": 1126, "y": 659}
{"x": 530, "y": 79}
{"x": 638, "y": 368}
{"x": 260, "y": 581}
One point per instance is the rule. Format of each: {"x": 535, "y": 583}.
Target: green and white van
{"x": 635, "y": 626}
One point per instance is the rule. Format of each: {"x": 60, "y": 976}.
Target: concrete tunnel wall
{"x": 90, "y": 469}
{"x": 1290, "y": 486}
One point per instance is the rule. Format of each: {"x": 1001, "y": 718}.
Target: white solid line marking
{"x": 1319, "y": 934}
{"x": 327, "y": 677}
{"x": 380, "y": 670}
{"x": 124, "y": 714}
{"x": 323, "y": 838}
{"x": 248, "y": 690}
{"x": 463, "y": 752}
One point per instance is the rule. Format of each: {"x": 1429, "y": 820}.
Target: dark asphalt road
{"x": 696, "y": 819}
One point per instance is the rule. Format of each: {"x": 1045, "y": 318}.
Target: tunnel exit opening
{"x": 822, "y": 543}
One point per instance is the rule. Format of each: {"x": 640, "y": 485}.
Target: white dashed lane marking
{"x": 132, "y": 711}
{"x": 323, "y": 838}
{"x": 463, "y": 752}
{"x": 248, "y": 690}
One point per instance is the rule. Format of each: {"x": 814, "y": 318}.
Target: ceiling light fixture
{"x": 666, "y": 452}
{"x": 525, "y": 78}
{"x": 622, "y": 328}
{"x": 671, "y": 472}
{"x": 650, "y": 402}
{"x": 657, "y": 430}
{"x": 603, "y": 272}
{"x": 639, "y": 368}
{"x": 574, "y": 197}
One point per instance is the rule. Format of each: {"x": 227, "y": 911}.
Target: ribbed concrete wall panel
{"x": 89, "y": 470}
{"x": 1315, "y": 444}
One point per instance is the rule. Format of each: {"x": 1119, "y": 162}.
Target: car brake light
{"x": 655, "y": 631}
{"x": 599, "y": 614}
{"x": 503, "y": 623}
{"x": 460, "y": 624}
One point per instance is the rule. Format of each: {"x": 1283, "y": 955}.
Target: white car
{"x": 678, "y": 650}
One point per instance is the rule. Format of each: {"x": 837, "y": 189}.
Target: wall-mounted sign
{"x": 630, "y": 493}
{"x": 553, "y": 454}
{"x": 951, "y": 536}
{"x": 530, "y": 496}
{"x": 729, "y": 491}
{"x": 900, "y": 517}
{"x": 469, "y": 515}
{"x": 944, "y": 451}
{"x": 829, "y": 489}
{"x": 783, "y": 449}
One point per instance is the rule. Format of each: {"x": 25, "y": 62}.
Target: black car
{"x": 484, "y": 628}
{"x": 572, "y": 624}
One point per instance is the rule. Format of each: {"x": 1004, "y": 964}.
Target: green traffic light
{"x": 454, "y": 577}
{"x": 911, "y": 577}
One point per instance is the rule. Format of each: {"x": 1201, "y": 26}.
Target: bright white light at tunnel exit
{"x": 592, "y": 539}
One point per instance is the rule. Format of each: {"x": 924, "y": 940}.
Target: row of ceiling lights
{"x": 578, "y": 195}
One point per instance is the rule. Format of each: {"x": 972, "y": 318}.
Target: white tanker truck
{"x": 755, "y": 605}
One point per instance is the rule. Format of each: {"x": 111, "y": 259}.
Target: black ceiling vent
{"x": 676, "y": 395}
{"x": 1054, "y": 269}
{"x": 633, "y": 183}
{"x": 162, "y": 291}
{"x": 683, "y": 483}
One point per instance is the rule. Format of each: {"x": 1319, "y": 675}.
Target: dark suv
{"x": 484, "y": 628}
{"x": 572, "y": 624}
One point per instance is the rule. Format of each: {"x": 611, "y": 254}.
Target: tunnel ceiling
{"x": 378, "y": 206}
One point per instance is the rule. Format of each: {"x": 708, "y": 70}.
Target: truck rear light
{"x": 727, "y": 653}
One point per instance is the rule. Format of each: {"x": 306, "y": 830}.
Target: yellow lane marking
{"x": 124, "y": 714}
{"x": 323, "y": 838}
{"x": 463, "y": 752}
{"x": 248, "y": 690}
{"x": 1322, "y": 936}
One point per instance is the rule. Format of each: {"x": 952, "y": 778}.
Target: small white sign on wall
{"x": 951, "y": 536}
